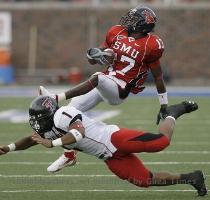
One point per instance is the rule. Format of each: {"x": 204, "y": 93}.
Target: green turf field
{"x": 23, "y": 175}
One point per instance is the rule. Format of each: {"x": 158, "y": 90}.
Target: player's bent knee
{"x": 130, "y": 168}
{"x": 159, "y": 143}
{"x": 101, "y": 79}
{"x": 165, "y": 142}
{"x": 109, "y": 90}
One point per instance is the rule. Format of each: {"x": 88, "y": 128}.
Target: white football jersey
{"x": 97, "y": 140}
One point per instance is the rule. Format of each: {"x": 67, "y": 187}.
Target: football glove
{"x": 162, "y": 114}
{"x": 99, "y": 55}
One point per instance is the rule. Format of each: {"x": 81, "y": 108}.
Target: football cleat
{"x": 44, "y": 91}
{"x": 198, "y": 182}
{"x": 179, "y": 109}
{"x": 67, "y": 159}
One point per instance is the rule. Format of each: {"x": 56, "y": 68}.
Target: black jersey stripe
{"x": 78, "y": 116}
{"x": 147, "y": 137}
{"x": 64, "y": 113}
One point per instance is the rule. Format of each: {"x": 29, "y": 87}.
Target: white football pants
{"x": 106, "y": 90}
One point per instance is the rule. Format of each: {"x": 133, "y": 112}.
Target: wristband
{"x": 170, "y": 117}
{"x": 77, "y": 135}
{"x": 163, "y": 98}
{"x": 57, "y": 143}
{"x": 61, "y": 97}
{"x": 12, "y": 147}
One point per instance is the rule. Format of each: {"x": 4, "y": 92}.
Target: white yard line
{"x": 162, "y": 152}
{"x": 101, "y": 163}
{"x": 187, "y": 122}
{"x": 59, "y": 175}
{"x": 191, "y": 136}
{"x": 25, "y": 191}
{"x": 199, "y": 143}
{"x": 55, "y": 175}
{"x": 184, "y": 152}
{"x": 184, "y": 143}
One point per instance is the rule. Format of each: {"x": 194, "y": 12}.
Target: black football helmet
{"x": 41, "y": 113}
{"x": 140, "y": 19}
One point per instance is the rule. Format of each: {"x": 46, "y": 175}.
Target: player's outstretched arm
{"x": 160, "y": 85}
{"x": 161, "y": 90}
{"x": 21, "y": 144}
{"x": 75, "y": 134}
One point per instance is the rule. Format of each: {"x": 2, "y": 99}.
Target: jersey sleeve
{"x": 155, "y": 51}
{"x": 112, "y": 34}
{"x": 65, "y": 116}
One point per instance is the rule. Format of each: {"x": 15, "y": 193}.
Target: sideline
{"x": 31, "y": 91}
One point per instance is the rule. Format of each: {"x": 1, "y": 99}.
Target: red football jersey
{"x": 133, "y": 56}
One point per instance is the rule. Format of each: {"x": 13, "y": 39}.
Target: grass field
{"x": 23, "y": 175}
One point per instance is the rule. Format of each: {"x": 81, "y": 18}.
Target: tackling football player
{"x": 130, "y": 51}
{"x": 69, "y": 128}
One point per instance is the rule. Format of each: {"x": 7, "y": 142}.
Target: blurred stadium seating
{"x": 51, "y": 37}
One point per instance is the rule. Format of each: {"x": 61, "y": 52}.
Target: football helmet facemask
{"x": 41, "y": 113}
{"x": 140, "y": 19}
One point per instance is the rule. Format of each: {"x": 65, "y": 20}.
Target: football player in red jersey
{"x": 137, "y": 51}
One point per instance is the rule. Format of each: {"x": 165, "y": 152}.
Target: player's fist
{"x": 38, "y": 139}
{"x": 4, "y": 150}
